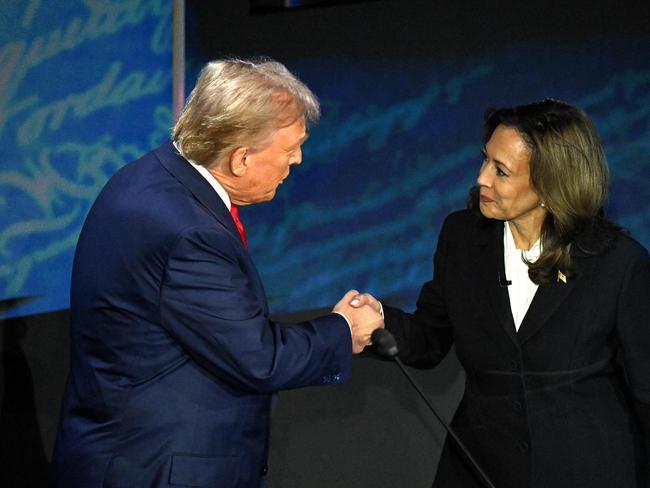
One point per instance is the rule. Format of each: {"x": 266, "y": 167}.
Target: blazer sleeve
{"x": 634, "y": 334}
{"x": 208, "y": 306}
{"x": 424, "y": 337}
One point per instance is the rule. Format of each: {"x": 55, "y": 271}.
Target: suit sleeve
{"x": 634, "y": 333}
{"x": 208, "y": 307}
{"x": 425, "y": 336}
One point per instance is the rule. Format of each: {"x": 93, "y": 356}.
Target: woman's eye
{"x": 500, "y": 172}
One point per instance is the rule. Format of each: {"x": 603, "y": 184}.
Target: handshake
{"x": 364, "y": 314}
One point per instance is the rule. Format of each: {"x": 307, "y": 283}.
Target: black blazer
{"x": 563, "y": 402}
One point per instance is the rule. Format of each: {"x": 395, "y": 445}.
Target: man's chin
{"x": 252, "y": 200}
{"x": 266, "y": 198}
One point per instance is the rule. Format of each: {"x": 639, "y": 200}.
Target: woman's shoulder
{"x": 467, "y": 221}
{"x": 625, "y": 245}
{"x": 608, "y": 239}
{"x": 618, "y": 252}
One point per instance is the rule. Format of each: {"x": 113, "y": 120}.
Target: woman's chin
{"x": 486, "y": 211}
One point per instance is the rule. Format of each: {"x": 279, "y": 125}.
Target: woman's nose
{"x": 483, "y": 179}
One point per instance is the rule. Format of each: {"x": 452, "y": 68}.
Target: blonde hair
{"x": 240, "y": 103}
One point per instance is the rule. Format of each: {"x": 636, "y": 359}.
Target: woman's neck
{"x": 526, "y": 232}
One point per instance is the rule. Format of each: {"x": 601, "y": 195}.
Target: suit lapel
{"x": 547, "y": 300}
{"x": 488, "y": 261}
{"x": 193, "y": 181}
{"x": 205, "y": 194}
{"x": 488, "y": 256}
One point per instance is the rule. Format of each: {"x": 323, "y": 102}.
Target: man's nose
{"x": 297, "y": 159}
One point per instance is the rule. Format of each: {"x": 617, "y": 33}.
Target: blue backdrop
{"x": 85, "y": 87}
{"x": 399, "y": 146}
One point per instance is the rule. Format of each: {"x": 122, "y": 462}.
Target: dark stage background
{"x": 403, "y": 86}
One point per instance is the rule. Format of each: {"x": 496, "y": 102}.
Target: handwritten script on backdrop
{"x": 84, "y": 88}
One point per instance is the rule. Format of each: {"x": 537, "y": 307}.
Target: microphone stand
{"x": 386, "y": 346}
{"x": 447, "y": 427}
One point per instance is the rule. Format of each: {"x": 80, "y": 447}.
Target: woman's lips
{"x": 485, "y": 199}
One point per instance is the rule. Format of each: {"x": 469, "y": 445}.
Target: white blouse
{"x": 522, "y": 289}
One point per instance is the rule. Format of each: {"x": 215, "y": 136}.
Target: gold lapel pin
{"x": 561, "y": 277}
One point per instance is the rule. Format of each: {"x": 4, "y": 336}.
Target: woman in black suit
{"x": 548, "y": 306}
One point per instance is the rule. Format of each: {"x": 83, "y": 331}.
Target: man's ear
{"x": 238, "y": 162}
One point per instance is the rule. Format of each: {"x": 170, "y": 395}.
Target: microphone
{"x": 385, "y": 345}
{"x": 503, "y": 282}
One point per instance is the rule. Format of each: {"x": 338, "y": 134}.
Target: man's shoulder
{"x": 146, "y": 164}
{"x": 153, "y": 157}
{"x": 145, "y": 190}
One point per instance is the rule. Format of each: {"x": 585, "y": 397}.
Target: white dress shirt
{"x": 214, "y": 183}
{"x": 522, "y": 289}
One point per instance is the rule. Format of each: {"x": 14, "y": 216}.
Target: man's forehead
{"x": 296, "y": 129}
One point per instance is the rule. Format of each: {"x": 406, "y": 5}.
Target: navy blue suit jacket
{"x": 174, "y": 361}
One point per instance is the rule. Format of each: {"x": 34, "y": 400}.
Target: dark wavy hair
{"x": 569, "y": 172}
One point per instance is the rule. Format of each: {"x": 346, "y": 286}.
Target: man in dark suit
{"x": 174, "y": 361}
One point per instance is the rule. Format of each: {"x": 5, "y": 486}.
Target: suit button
{"x": 265, "y": 469}
{"x": 514, "y": 366}
{"x": 517, "y": 406}
{"x": 523, "y": 447}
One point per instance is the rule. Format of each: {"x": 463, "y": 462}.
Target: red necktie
{"x": 234, "y": 211}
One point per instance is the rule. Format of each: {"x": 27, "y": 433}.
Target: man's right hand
{"x": 363, "y": 320}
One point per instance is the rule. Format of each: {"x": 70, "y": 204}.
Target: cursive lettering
{"x": 107, "y": 93}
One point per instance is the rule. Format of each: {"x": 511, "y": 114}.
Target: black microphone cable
{"x": 385, "y": 345}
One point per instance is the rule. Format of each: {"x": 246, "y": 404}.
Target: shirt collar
{"x": 510, "y": 249}
{"x": 209, "y": 177}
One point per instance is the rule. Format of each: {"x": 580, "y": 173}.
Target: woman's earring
{"x": 541, "y": 204}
